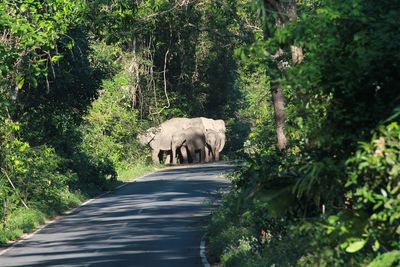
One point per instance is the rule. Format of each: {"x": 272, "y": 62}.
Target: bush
{"x": 239, "y": 253}
{"x": 22, "y": 220}
{"x": 111, "y": 126}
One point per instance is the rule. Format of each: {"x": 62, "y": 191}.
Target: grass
{"x": 26, "y": 220}
{"x": 136, "y": 171}
{"x": 23, "y": 220}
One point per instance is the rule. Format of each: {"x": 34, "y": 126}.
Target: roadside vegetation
{"x": 325, "y": 190}
{"x": 309, "y": 91}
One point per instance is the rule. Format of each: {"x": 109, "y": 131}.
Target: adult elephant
{"x": 159, "y": 138}
{"x": 192, "y": 139}
{"x": 158, "y": 142}
{"x": 213, "y": 144}
{"x": 207, "y": 124}
{"x": 219, "y": 126}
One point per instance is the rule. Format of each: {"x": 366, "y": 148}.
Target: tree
{"x": 282, "y": 12}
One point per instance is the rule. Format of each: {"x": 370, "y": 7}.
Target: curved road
{"x": 157, "y": 220}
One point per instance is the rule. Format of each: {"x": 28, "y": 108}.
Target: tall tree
{"x": 282, "y": 12}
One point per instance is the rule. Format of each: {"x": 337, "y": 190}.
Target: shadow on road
{"x": 156, "y": 221}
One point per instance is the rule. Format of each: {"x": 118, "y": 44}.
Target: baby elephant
{"x": 193, "y": 139}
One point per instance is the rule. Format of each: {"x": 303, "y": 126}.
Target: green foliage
{"x": 20, "y": 221}
{"x": 237, "y": 255}
{"x": 135, "y": 170}
{"x": 375, "y": 189}
{"x": 325, "y": 191}
{"x": 389, "y": 259}
{"x": 111, "y": 124}
{"x": 31, "y": 31}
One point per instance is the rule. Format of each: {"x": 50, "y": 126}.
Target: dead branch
{"x": 165, "y": 85}
{"x": 12, "y": 185}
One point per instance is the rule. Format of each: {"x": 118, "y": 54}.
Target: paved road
{"x": 155, "y": 221}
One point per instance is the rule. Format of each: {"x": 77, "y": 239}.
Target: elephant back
{"x": 208, "y": 124}
{"x": 171, "y": 126}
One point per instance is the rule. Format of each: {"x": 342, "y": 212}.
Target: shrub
{"x": 22, "y": 220}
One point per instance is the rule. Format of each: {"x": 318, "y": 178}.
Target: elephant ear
{"x": 154, "y": 130}
{"x": 222, "y": 141}
{"x": 143, "y": 138}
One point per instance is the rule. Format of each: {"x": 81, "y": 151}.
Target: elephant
{"x": 219, "y": 127}
{"x": 213, "y": 143}
{"x": 209, "y": 124}
{"x": 159, "y": 138}
{"x": 192, "y": 139}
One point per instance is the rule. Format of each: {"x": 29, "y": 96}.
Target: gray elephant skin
{"x": 213, "y": 145}
{"x": 193, "y": 140}
{"x": 159, "y": 138}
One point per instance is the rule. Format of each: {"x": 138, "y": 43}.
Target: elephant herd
{"x": 186, "y": 140}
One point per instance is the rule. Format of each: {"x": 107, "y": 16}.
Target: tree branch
{"x": 165, "y": 85}
{"x": 12, "y": 185}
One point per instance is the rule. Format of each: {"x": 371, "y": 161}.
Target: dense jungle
{"x": 309, "y": 91}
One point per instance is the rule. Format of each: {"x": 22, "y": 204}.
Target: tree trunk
{"x": 297, "y": 54}
{"x": 280, "y": 115}
{"x": 286, "y": 11}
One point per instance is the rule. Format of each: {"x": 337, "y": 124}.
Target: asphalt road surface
{"x": 156, "y": 221}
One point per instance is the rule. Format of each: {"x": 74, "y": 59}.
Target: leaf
{"x": 376, "y": 245}
{"x": 383, "y": 192}
{"x": 21, "y": 83}
{"x": 356, "y": 246}
{"x": 56, "y": 58}
{"x": 333, "y": 219}
{"x": 387, "y": 259}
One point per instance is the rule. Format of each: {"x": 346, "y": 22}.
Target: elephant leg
{"x": 202, "y": 155}
{"x": 179, "y": 156}
{"x": 173, "y": 151}
{"x": 216, "y": 155}
{"x": 184, "y": 154}
{"x": 212, "y": 153}
{"x": 197, "y": 156}
{"x": 192, "y": 152}
{"x": 207, "y": 150}
{"x": 154, "y": 155}
{"x": 168, "y": 159}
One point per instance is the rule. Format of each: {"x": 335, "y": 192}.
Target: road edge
{"x": 25, "y": 237}
{"x": 203, "y": 255}
{"x": 203, "y": 251}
